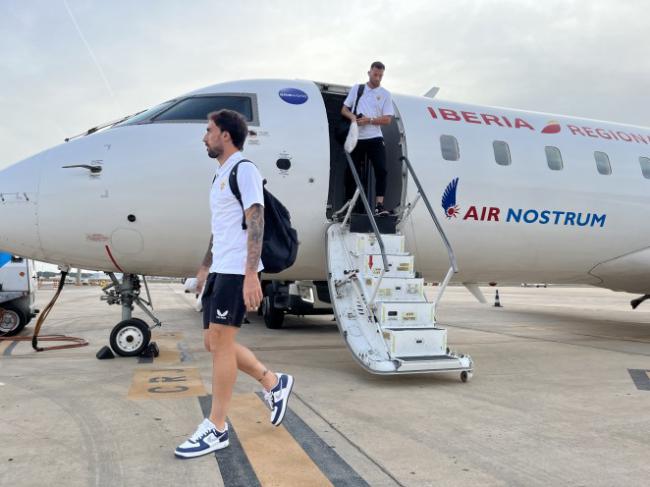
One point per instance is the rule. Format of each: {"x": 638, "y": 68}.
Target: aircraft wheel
{"x": 130, "y": 337}
{"x": 12, "y": 320}
{"x": 466, "y": 376}
{"x": 273, "y": 317}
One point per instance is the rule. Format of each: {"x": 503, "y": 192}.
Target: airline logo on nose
{"x": 517, "y": 215}
{"x": 4, "y": 258}
{"x": 294, "y": 96}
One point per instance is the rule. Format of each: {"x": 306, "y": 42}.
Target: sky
{"x": 68, "y": 65}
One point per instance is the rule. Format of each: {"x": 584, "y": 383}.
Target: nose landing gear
{"x": 131, "y": 336}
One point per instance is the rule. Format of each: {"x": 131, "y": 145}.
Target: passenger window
{"x": 554, "y": 158}
{"x": 602, "y": 163}
{"x": 449, "y": 148}
{"x": 501, "y": 153}
{"x": 197, "y": 108}
{"x": 645, "y": 166}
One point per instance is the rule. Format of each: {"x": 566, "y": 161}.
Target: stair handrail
{"x": 450, "y": 251}
{"x": 375, "y": 229}
{"x": 443, "y": 235}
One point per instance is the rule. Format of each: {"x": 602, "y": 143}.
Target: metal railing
{"x": 360, "y": 193}
{"x": 450, "y": 252}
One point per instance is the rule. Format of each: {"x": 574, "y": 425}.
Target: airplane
{"x": 520, "y": 196}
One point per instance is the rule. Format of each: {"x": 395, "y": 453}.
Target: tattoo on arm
{"x": 255, "y": 224}
{"x": 207, "y": 259}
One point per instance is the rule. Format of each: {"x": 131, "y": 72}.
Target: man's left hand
{"x": 252, "y": 292}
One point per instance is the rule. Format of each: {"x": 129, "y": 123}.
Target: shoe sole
{"x": 218, "y": 446}
{"x": 285, "y": 404}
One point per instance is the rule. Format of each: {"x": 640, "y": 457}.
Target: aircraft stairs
{"x": 380, "y": 305}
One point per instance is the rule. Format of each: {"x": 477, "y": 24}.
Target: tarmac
{"x": 560, "y": 396}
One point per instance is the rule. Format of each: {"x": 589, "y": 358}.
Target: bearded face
{"x": 213, "y": 140}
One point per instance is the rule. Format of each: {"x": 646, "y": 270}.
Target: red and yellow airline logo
{"x": 552, "y": 127}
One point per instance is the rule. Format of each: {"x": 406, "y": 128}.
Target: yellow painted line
{"x": 4, "y": 344}
{"x": 166, "y": 384}
{"x": 168, "y": 346}
{"x": 287, "y": 464}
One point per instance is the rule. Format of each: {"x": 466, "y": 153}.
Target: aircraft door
{"x": 333, "y": 96}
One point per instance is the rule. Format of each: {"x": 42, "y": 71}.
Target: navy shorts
{"x": 223, "y": 300}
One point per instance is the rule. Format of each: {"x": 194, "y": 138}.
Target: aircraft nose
{"x": 19, "y": 209}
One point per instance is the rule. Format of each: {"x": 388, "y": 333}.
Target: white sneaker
{"x": 206, "y": 439}
{"x": 278, "y": 398}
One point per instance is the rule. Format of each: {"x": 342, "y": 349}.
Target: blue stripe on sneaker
{"x": 236, "y": 469}
{"x": 286, "y": 384}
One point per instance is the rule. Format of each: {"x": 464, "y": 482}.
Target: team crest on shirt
{"x": 223, "y": 185}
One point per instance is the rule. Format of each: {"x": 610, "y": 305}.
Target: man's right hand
{"x": 363, "y": 121}
{"x": 201, "y": 276}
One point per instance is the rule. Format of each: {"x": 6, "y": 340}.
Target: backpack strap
{"x": 234, "y": 187}
{"x": 359, "y": 94}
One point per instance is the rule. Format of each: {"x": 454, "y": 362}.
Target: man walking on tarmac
{"x": 230, "y": 274}
{"x": 373, "y": 109}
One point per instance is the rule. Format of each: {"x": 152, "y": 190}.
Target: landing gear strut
{"x": 131, "y": 336}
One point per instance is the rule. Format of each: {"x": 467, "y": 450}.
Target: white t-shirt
{"x": 229, "y": 241}
{"x": 373, "y": 103}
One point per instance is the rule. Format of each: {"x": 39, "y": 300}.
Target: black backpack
{"x": 280, "y": 246}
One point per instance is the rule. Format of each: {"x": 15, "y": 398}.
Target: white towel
{"x": 352, "y": 138}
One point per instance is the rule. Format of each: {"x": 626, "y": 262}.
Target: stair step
{"x": 367, "y": 243}
{"x": 434, "y": 363}
{"x": 360, "y": 223}
{"x": 416, "y": 343}
{"x": 404, "y": 314}
{"x": 398, "y": 265}
{"x": 396, "y": 288}
{"x": 427, "y": 358}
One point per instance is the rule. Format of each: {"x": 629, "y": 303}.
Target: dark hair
{"x": 378, "y": 65}
{"x": 232, "y": 122}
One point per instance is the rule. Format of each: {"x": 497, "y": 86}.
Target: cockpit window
{"x": 145, "y": 115}
{"x": 197, "y": 108}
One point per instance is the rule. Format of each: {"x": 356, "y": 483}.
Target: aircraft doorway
{"x": 333, "y": 96}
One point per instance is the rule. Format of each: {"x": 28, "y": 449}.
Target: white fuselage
{"x": 521, "y": 222}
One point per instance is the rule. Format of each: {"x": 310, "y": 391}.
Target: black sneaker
{"x": 381, "y": 211}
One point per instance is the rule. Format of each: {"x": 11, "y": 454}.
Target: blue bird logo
{"x": 449, "y": 200}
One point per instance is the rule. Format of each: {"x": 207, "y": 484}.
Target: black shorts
{"x": 223, "y": 300}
